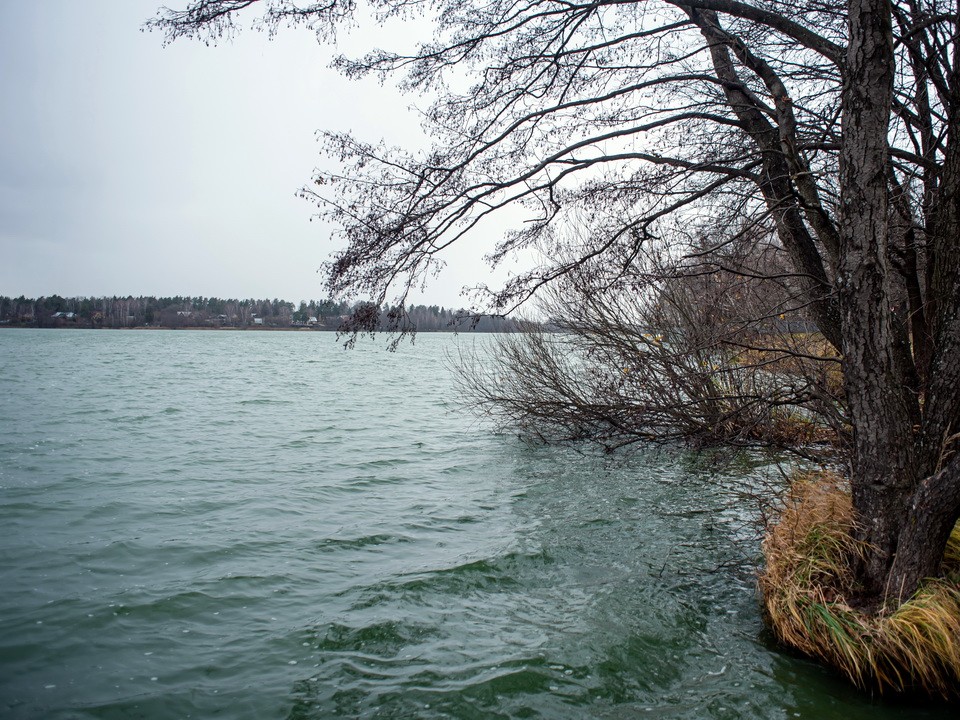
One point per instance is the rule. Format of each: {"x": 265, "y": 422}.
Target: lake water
{"x": 263, "y": 525}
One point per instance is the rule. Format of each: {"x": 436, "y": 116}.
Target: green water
{"x": 262, "y": 525}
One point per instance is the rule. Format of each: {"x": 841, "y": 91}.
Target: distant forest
{"x": 210, "y": 312}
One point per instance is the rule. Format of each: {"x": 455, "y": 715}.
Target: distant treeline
{"x": 207, "y": 312}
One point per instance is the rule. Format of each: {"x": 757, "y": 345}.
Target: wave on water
{"x": 195, "y": 525}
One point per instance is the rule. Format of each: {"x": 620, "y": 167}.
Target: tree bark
{"x": 883, "y": 463}
{"x": 929, "y": 521}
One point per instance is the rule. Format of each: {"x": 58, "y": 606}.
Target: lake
{"x": 264, "y": 525}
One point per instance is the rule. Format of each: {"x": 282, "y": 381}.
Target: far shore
{"x": 250, "y": 328}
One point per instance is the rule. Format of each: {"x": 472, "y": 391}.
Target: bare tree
{"x": 839, "y": 125}
{"x": 709, "y": 348}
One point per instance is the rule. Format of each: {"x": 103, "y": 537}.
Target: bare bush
{"x": 708, "y": 349}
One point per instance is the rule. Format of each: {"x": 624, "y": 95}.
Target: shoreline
{"x": 218, "y": 329}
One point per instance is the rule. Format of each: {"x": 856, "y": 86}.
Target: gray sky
{"x": 130, "y": 168}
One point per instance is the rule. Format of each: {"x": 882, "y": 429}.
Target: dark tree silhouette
{"x": 838, "y": 126}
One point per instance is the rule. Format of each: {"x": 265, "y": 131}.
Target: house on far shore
{"x": 64, "y": 316}
{"x": 311, "y": 320}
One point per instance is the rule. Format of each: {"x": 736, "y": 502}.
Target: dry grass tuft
{"x": 807, "y": 582}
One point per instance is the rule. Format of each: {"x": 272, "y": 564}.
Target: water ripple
{"x": 261, "y": 525}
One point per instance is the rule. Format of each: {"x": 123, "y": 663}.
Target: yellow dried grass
{"x": 807, "y": 583}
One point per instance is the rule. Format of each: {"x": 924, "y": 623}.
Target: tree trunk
{"x": 883, "y": 464}
{"x": 929, "y": 520}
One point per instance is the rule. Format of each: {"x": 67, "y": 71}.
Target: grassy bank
{"x": 806, "y": 589}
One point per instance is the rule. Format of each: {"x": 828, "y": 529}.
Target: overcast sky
{"x": 130, "y": 168}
